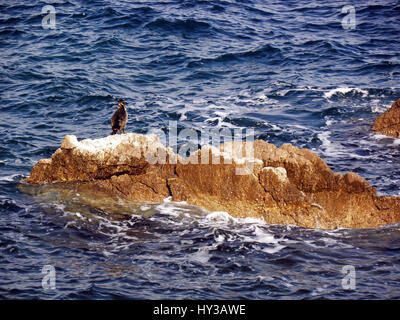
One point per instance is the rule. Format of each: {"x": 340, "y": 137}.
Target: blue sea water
{"x": 287, "y": 69}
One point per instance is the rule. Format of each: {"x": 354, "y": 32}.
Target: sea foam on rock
{"x": 285, "y": 185}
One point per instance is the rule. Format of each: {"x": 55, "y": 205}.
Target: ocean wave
{"x": 8, "y": 205}
{"x": 179, "y": 25}
{"x": 266, "y": 51}
{"x": 345, "y": 92}
{"x": 12, "y": 177}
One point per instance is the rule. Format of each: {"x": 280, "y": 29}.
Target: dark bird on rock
{"x": 119, "y": 118}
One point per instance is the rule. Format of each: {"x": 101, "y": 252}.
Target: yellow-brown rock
{"x": 285, "y": 185}
{"x": 389, "y": 122}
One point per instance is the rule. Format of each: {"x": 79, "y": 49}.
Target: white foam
{"x": 263, "y": 237}
{"x": 220, "y": 216}
{"x": 274, "y": 127}
{"x": 10, "y": 178}
{"x": 324, "y": 242}
{"x": 334, "y": 149}
{"x": 344, "y": 90}
{"x": 202, "y": 255}
{"x": 377, "y": 107}
{"x": 78, "y": 215}
{"x": 330, "y": 241}
{"x": 395, "y": 141}
{"x": 283, "y": 93}
{"x": 107, "y": 253}
{"x": 250, "y": 220}
{"x": 220, "y": 238}
{"x": 275, "y": 249}
{"x": 69, "y": 223}
{"x": 225, "y": 218}
{"x": 326, "y": 143}
{"x": 167, "y": 200}
{"x": 329, "y": 121}
{"x": 379, "y": 136}
{"x": 298, "y": 126}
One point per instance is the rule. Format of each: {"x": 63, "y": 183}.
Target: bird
{"x": 119, "y": 118}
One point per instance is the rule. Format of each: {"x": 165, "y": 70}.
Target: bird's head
{"x": 121, "y": 103}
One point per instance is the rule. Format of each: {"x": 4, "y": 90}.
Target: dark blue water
{"x": 288, "y": 69}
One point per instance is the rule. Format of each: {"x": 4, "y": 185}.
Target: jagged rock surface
{"x": 389, "y": 122}
{"x": 285, "y": 185}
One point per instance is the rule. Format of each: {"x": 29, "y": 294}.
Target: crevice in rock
{"x": 266, "y": 191}
{"x": 106, "y": 173}
{"x": 150, "y": 187}
{"x": 168, "y": 186}
{"x": 118, "y": 189}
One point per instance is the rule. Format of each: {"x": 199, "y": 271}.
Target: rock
{"x": 389, "y": 122}
{"x": 285, "y": 185}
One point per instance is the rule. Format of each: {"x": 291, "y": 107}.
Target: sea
{"x": 315, "y": 74}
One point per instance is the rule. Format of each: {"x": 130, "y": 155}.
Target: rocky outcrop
{"x": 285, "y": 185}
{"x": 389, "y": 122}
